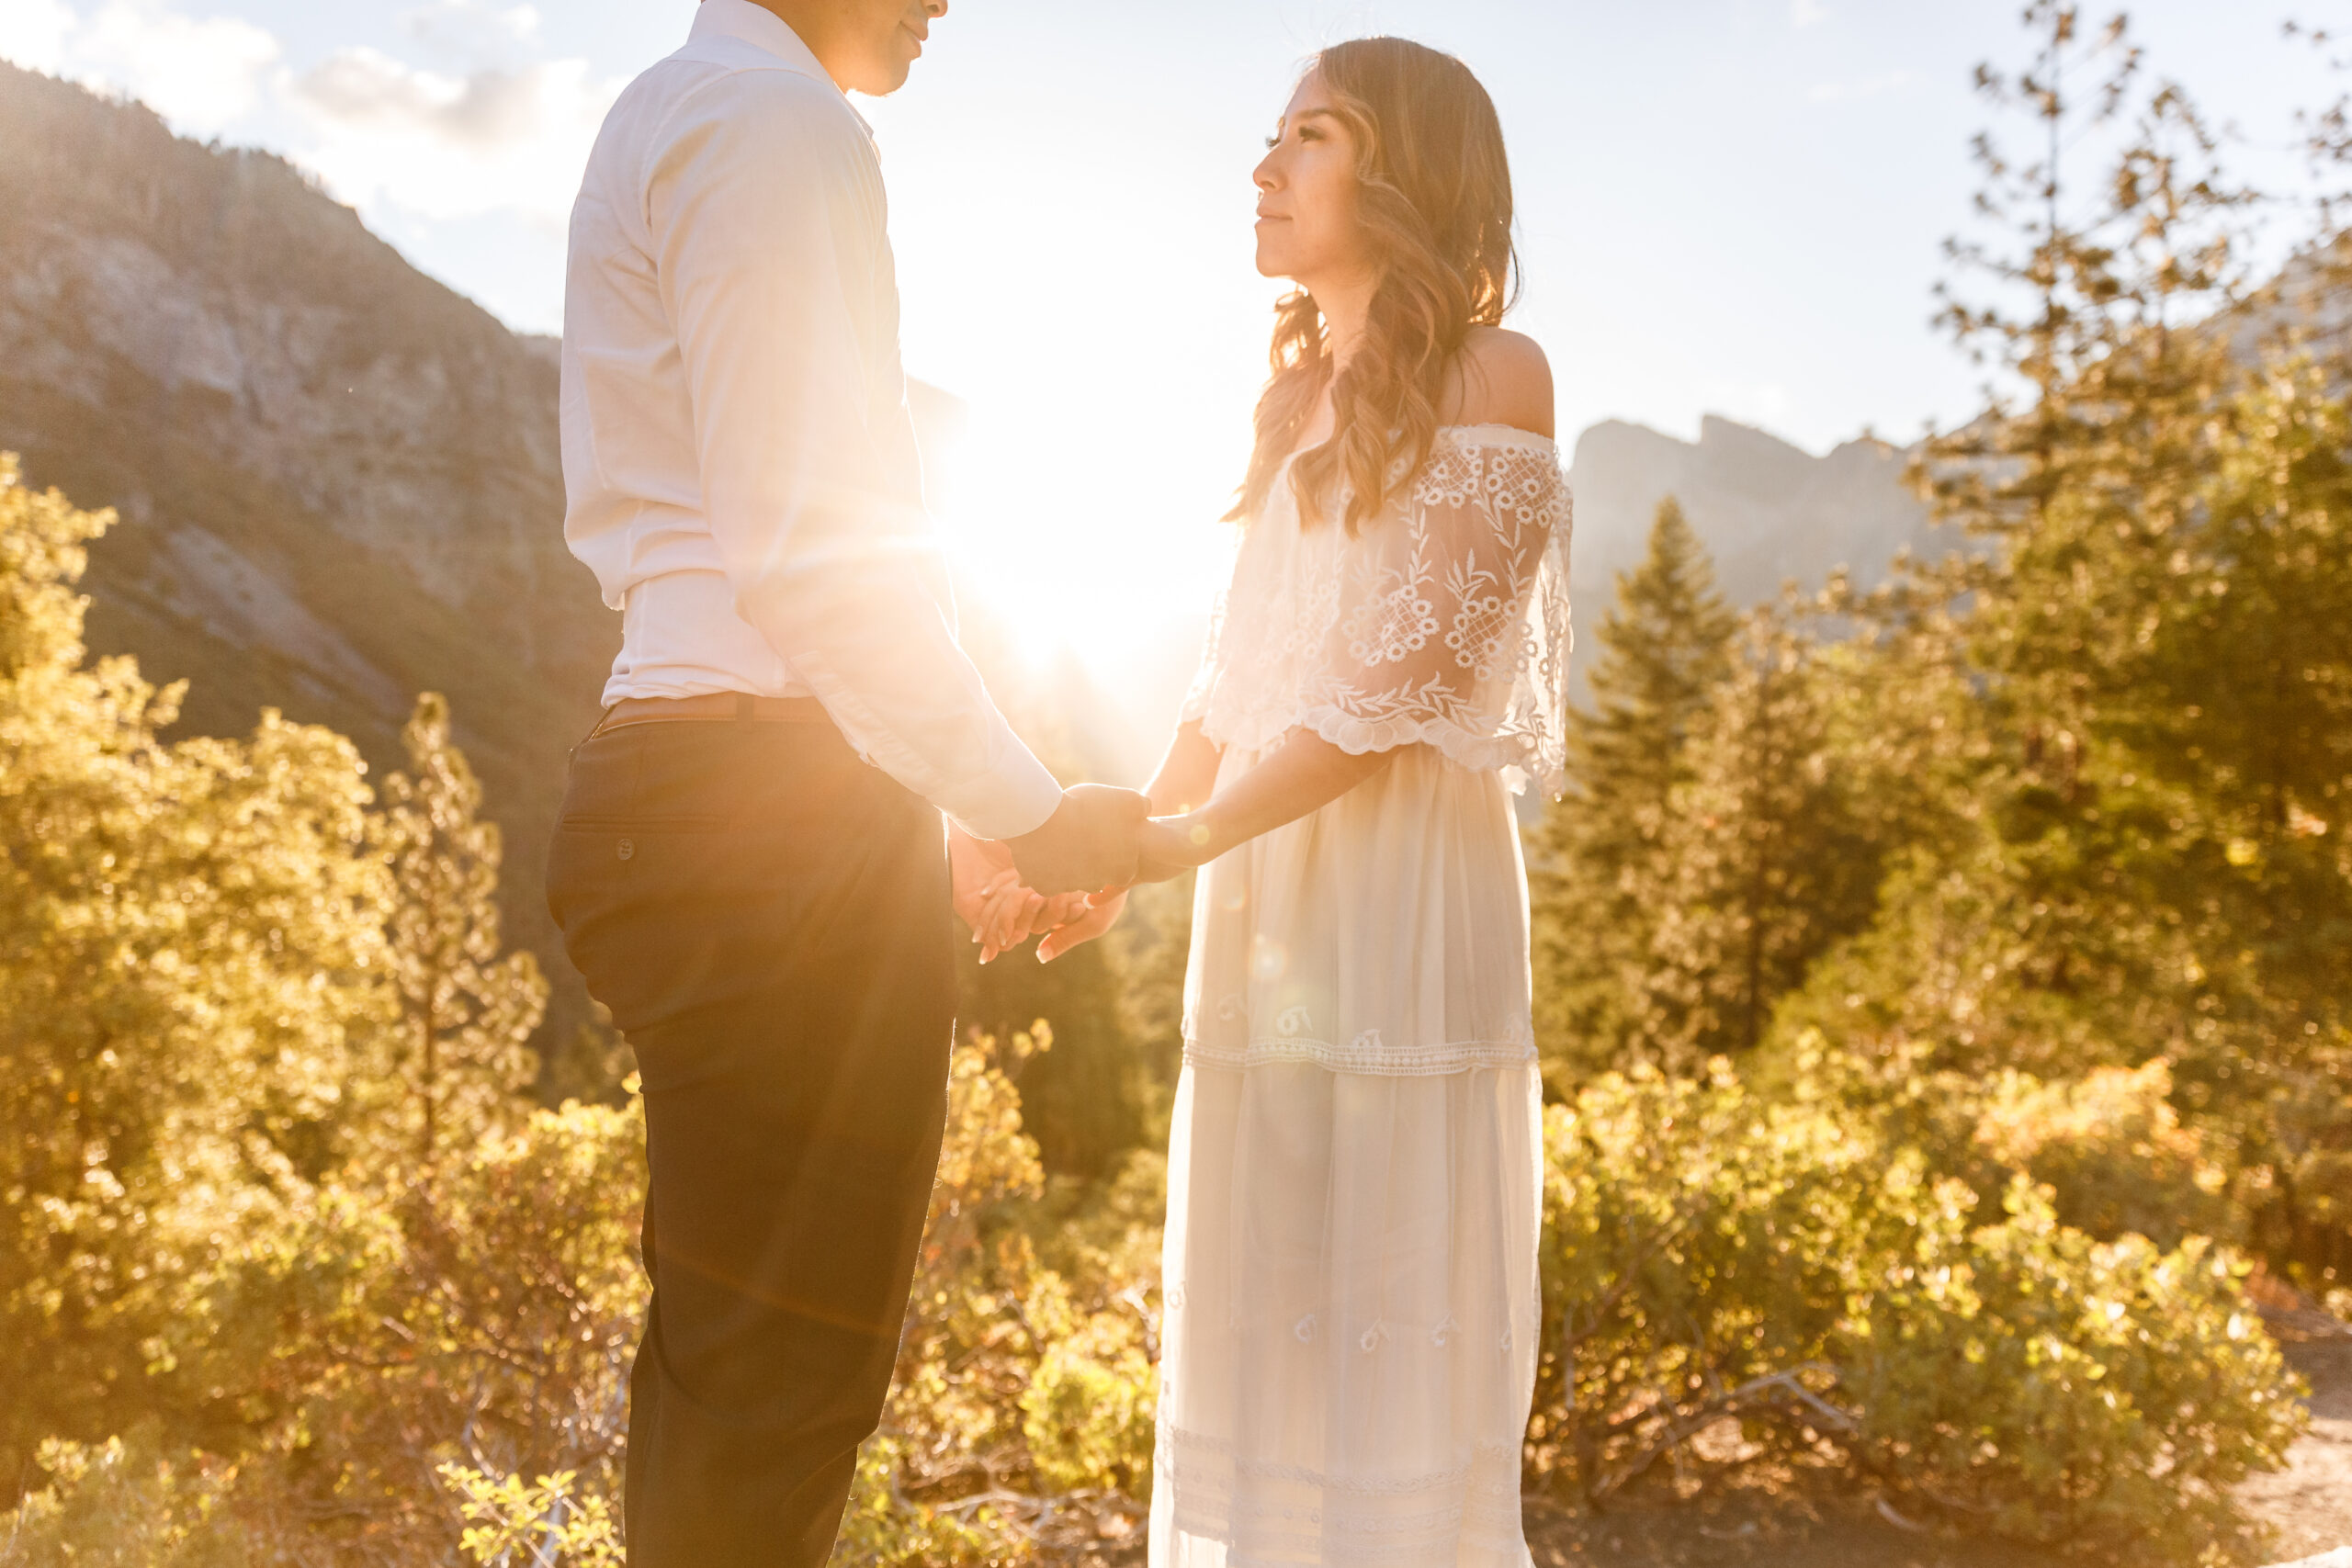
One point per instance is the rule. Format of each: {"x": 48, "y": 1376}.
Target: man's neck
{"x": 809, "y": 20}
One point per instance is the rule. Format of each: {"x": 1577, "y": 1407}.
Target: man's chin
{"x": 886, "y": 76}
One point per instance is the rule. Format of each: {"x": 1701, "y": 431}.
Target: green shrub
{"x": 548, "y": 1520}
{"x": 1781, "y": 1278}
{"x": 1088, "y": 1413}
{"x": 2067, "y": 1391}
{"x": 113, "y": 1504}
{"x": 2111, "y": 1147}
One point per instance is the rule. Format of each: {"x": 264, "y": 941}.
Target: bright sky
{"x": 1729, "y": 205}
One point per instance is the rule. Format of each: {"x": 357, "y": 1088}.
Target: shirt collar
{"x": 760, "y": 27}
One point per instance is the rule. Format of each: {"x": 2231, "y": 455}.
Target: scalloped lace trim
{"x": 1320, "y": 633}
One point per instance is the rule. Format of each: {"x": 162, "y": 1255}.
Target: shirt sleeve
{"x": 764, "y": 202}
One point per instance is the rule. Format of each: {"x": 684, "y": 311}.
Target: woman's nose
{"x": 1262, "y": 176}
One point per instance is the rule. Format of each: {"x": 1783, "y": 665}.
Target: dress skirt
{"x": 1355, "y": 1185}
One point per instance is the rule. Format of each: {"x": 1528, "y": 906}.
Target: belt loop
{"x": 601, "y": 719}
{"x": 745, "y": 703}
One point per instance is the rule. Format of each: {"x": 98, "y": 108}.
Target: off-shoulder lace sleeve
{"x": 1444, "y": 622}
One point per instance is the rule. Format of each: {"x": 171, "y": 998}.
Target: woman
{"x": 1353, "y": 1204}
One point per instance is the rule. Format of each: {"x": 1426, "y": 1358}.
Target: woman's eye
{"x": 1273, "y": 142}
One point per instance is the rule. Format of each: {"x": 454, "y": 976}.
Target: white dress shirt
{"x": 738, "y": 456}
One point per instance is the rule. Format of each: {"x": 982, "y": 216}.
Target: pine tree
{"x": 2143, "y": 858}
{"x": 466, "y": 1011}
{"x": 1769, "y": 855}
{"x": 1601, "y": 859}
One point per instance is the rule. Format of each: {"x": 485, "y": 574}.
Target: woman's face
{"x": 1307, "y": 223}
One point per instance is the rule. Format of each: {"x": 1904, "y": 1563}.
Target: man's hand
{"x": 1170, "y": 846}
{"x": 1088, "y": 844}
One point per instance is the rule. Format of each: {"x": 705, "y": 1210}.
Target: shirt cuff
{"x": 1012, "y": 800}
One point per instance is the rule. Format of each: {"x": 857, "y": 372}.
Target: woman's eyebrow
{"x": 1281, "y": 122}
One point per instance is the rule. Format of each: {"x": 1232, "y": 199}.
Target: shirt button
{"x": 627, "y": 849}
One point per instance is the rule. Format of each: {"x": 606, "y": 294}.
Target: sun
{"x": 1093, "y": 567}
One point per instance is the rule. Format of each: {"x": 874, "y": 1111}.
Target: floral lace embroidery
{"x": 1443, "y": 623}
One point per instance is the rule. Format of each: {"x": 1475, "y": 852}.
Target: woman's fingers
{"x": 1064, "y": 911}
{"x": 1022, "y": 919}
{"x": 1098, "y": 918}
{"x": 1007, "y": 913}
{"x": 972, "y": 903}
{"x": 993, "y": 925}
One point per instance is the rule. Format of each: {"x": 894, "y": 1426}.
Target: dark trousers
{"x": 766, "y": 917}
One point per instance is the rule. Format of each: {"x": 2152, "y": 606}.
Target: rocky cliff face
{"x": 288, "y": 415}
{"x": 338, "y": 480}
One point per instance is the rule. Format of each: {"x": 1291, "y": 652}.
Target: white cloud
{"x": 446, "y": 146}
{"x": 33, "y": 33}
{"x": 1805, "y": 13}
{"x": 200, "y": 74}
{"x": 467, "y": 28}
{"x": 197, "y": 73}
{"x": 1869, "y": 87}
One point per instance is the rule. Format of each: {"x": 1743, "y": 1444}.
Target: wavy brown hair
{"x": 1436, "y": 202}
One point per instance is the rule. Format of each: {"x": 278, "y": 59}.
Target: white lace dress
{"x": 1354, "y": 1170}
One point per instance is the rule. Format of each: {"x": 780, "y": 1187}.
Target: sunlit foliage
{"x": 466, "y": 1006}
{"x": 1942, "y": 995}
{"x": 1738, "y": 1277}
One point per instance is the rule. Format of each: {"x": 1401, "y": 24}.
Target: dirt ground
{"x": 2310, "y": 1500}
{"x": 2308, "y": 1505}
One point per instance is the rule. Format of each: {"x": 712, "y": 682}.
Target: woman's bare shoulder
{"x": 1501, "y": 377}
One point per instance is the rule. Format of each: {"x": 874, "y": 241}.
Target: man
{"x": 749, "y": 868}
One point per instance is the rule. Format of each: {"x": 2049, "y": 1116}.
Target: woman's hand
{"x": 1102, "y": 912}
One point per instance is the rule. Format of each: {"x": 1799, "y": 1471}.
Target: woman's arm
{"x": 1187, "y": 775}
{"x": 1304, "y": 773}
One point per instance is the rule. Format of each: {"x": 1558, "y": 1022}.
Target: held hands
{"x": 990, "y": 897}
{"x": 1086, "y": 844}
{"x": 1038, "y": 883}
{"x": 1004, "y": 912}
